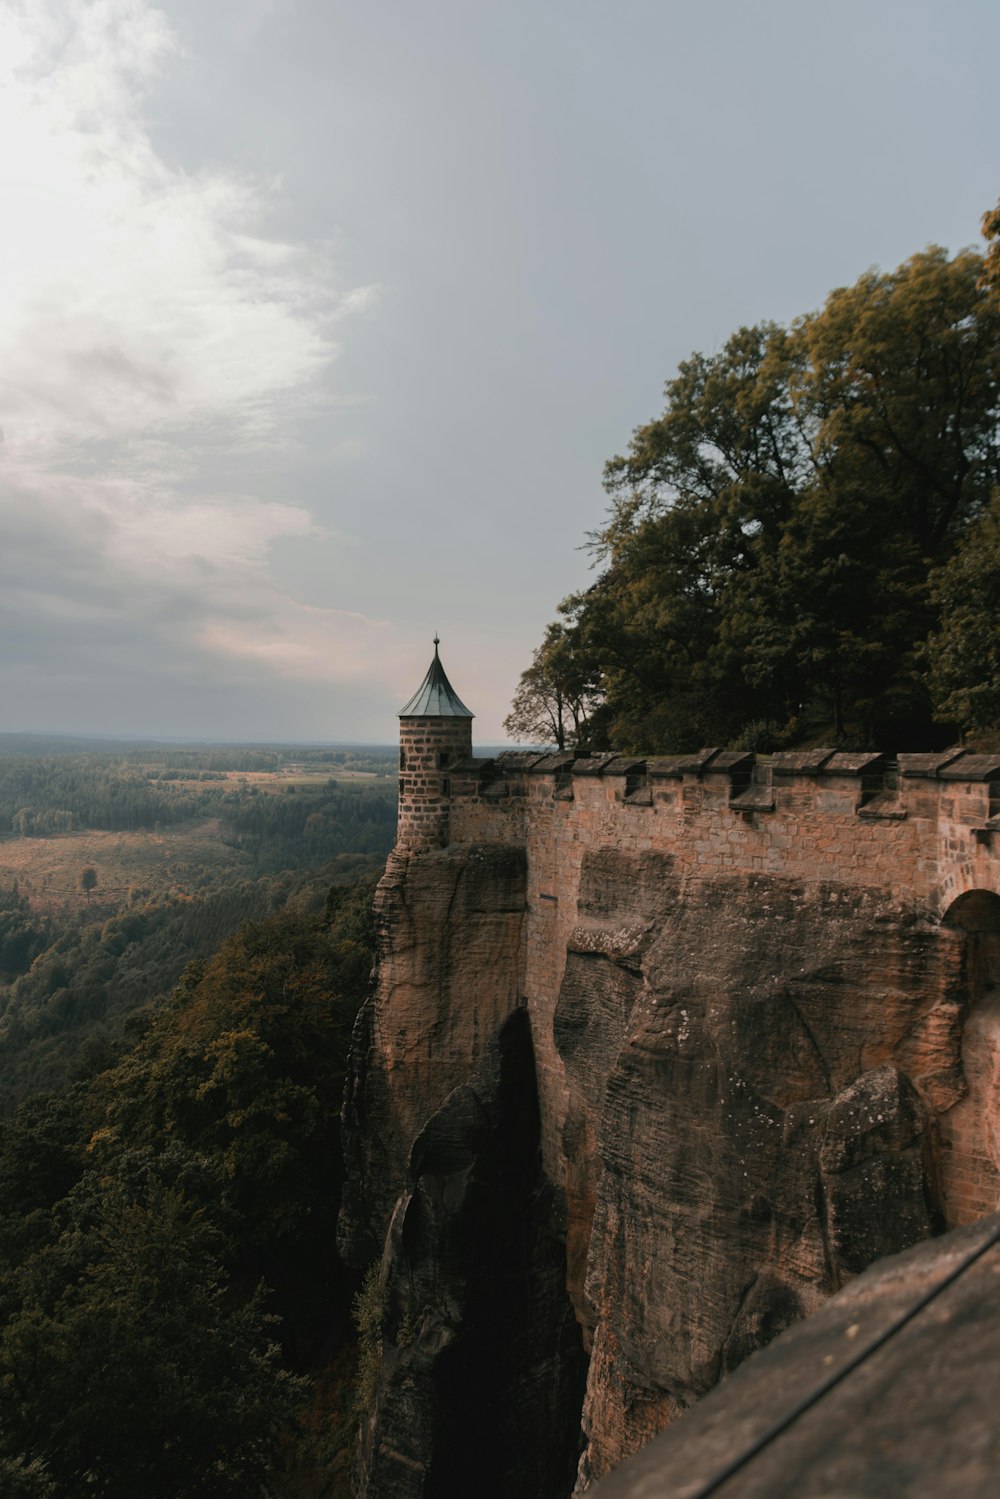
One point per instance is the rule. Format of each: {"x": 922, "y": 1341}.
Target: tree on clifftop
{"x": 964, "y": 654}
{"x": 991, "y": 232}
{"x": 557, "y": 694}
{"x": 769, "y": 551}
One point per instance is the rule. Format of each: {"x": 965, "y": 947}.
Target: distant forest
{"x": 46, "y": 791}
{"x": 174, "y": 1318}
{"x": 50, "y": 789}
{"x": 805, "y": 544}
{"x": 282, "y": 826}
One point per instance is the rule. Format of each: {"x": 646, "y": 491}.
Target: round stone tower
{"x": 435, "y": 731}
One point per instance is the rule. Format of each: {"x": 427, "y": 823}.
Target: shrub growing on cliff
{"x": 368, "y": 1309}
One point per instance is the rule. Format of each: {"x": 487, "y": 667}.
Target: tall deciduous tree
{"x": 964, "y": 653}
{"x": 557, "y": 695}
{"x": 769, "y": 548}
{"x": 991, "y": 233}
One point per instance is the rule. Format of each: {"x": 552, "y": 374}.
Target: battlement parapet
{"x": 955, "y": 785}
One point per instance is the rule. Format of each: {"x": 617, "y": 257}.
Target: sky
{"x": 320, "y": 318}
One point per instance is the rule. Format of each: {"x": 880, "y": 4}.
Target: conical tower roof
{"x": 435, "y": 697}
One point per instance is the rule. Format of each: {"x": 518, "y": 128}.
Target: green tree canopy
{"x": 964, "y": 652}
{"x": 772, "y": 535}
{"x": 991, "y": 232}
{"x": 128, "y": 1366}
{"x": 556, "y": 695}
{"x": 167, "y": 1255}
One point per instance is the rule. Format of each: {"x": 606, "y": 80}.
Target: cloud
{"x": 136, "y": 295}
{"x": 150, "y": 332}
{"x": 98, "y": 581}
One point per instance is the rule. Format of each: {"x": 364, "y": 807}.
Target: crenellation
{"x": 843, "y": 816}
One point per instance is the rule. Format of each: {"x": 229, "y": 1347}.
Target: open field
{"x": 182, "y": 848}
{"x": 279, "y": 780}
{"x": 178, "y": 859}
{"x": 166, "y": 821}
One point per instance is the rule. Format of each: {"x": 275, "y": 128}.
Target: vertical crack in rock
{"x": 482, "y": 1369}
{"x": 482, "y": 1363}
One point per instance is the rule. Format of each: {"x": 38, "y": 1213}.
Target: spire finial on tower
{"x": 437, "y": 642}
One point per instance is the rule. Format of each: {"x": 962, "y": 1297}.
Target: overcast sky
{"x": 319, "y": 318}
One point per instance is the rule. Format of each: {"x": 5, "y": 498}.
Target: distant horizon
{"x": 197, "y": 741}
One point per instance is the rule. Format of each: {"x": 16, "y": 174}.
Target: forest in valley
{"x": 804, "y": 546}
{"x": 182, "y": 845}
{"x": 174, "y": 1319}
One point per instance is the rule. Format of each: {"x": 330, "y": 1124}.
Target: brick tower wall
{"x": 428, "y": 747}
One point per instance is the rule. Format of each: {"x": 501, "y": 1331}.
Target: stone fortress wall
{"x": 761, "y": 997}
{"x": 923, "y": 829}
{"x": 925, "y": 826}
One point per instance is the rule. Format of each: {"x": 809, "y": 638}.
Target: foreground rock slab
{"x": 888, "y": 1392}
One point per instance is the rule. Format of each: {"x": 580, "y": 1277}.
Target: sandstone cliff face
{"x": 483, "y": 1366}
{"x": 612, "y": 1097}
{"x": 450, "y": 925}
{"x": 741, "y": 1135}
{"x": 889, "y": 1390}
{"x": 482, "y": 1362}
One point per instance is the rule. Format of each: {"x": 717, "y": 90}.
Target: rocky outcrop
{"x": 740, "y": 1136}
{"x": 615, "y": 1094}
{"x": 450, "y": 928}
{"x": 482, "y": 1364}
